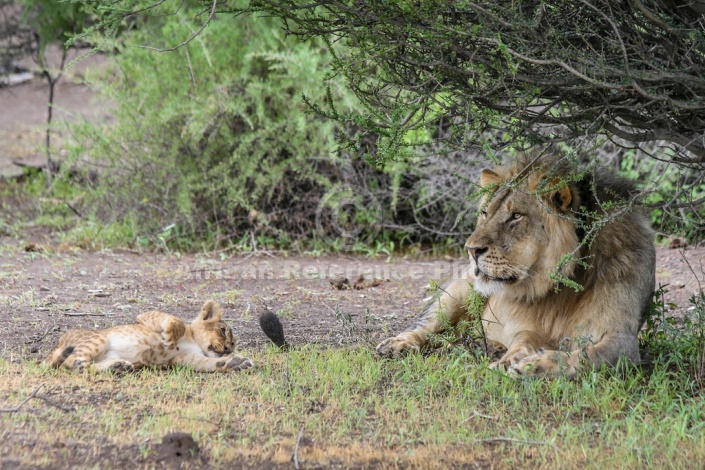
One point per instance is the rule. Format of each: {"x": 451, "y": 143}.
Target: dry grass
{"x": 356, "y": 410}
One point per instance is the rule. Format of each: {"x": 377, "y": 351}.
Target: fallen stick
{"x": 17, "y": 408}
{"x": 30, "y": 341}
{"x": 519, "y": 441}
{"x": 87, "y": 314}
{"x": 296, "y": 449}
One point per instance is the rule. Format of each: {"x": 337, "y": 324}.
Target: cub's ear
{"x": 489, "y": 178}
{"x": 562, "y": 197}
{"x": 210, "y": 311}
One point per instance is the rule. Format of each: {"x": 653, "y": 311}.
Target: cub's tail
{"x": 272, "y": 327}
{"x": 58, "y": 356}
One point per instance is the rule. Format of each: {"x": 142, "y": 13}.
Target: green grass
{"x": 357, "y": 409}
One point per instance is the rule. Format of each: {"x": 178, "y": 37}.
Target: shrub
{"x": 211, "y": 140}
{"x": 674, "y": 193}
{"x": 678, "y": 341}
{"x": 214, "y": 144}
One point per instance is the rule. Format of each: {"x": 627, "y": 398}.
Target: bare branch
{"x": 190, "y": 38}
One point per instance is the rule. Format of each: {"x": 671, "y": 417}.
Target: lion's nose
{"x": 476, "y": 251}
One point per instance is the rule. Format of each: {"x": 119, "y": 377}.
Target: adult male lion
{"x": 534, "y": 213}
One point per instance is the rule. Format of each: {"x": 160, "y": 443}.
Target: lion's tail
{"x": 272, "y": 327}
{"x": 58, "y": 356}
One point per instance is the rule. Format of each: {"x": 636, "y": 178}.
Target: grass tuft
{"x": 360, "y": 410}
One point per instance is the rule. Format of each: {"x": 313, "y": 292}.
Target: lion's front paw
{"x": 498, "y": 365}
{"x": 235, "y": 363}
{"x": 514, "y": 355}
{"x": 168, "y": 343}
{"x": 546, "y": 364}
{"x": 401, "y": 344}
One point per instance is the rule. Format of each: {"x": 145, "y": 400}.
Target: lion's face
{"x": 212, "y": 334}
{"x": 520, "y": 237}
{"x": 215, "y": 338}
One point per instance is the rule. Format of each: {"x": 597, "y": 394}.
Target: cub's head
{"x": 527, "y": 222}
{"x": 213, "y": 336}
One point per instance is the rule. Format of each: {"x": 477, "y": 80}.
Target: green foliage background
{"x": 216, "y": 143}
{"x": 213, "y": 137}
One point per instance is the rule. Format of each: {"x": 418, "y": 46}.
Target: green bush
{"x": 214, "y": 144}
{"x": 677, "y": 341}
{"x": 213, "y": 141}
{"x": 674, "y": 193}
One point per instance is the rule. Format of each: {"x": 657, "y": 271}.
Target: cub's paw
{"x": 545, "y": 364}
{"x": 234, "y": 364}
{"x": 400, "y": 344}
{"x": 168, "y": 342}
{"x": 121, "y": 367}
{"x": 171, "y": 333}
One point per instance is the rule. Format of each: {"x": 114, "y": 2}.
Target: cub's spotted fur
{"x": 155, "y": 339}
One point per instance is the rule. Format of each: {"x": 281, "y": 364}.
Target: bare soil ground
{"x": 47, "y": 290}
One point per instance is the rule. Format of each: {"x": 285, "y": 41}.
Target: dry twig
{"x": 475, "y": 414}
{"x": 34, "y": 395}
{"x": 49, "y": 330}
{"x": 519, "y": 441}
{"x": 87, "y": 314}
{"x": 295, "y": 457}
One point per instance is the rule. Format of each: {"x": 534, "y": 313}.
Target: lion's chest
{"x": 554, "y": 319}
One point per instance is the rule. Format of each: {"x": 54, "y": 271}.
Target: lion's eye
{"x": 517, "y": 216}
{"x": 223, "y": 332}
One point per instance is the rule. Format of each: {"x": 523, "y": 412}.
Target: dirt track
{"x": 48, "y": 291}
{"x": 45, "y": 293}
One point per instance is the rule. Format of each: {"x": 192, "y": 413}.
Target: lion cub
{"x": 155, "y": 339}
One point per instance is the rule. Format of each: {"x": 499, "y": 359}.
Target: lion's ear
{"x": 563, "y": 197}
{"x": 210, "y": 311}
{"x": 489, "y": 178}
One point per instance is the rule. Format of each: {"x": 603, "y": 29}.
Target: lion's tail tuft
{"x": 272, "y": 327}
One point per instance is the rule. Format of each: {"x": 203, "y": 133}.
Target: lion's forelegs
{"x": 610, "y": 350}
{"x": 525, "y": 344}
{"x": 446, "y": 307}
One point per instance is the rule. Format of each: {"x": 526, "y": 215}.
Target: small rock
{"x": 33, "y": 248}
{"x": 340, "y": 283}
{"x": 677, "y": 242}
